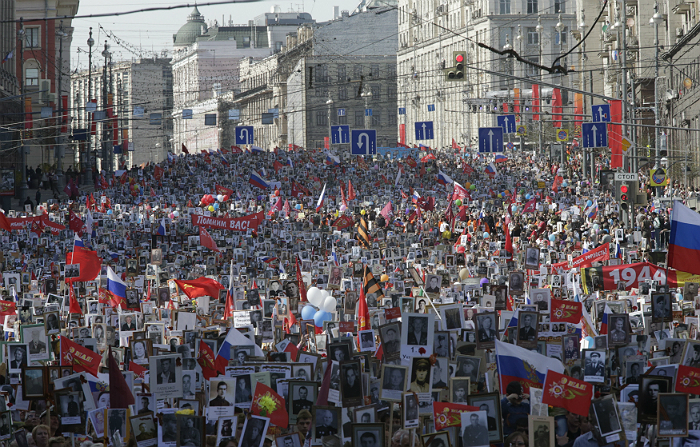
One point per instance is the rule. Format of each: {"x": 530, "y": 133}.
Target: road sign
{"x": 658, "y": 177}
{"x": 521, "y": 130}
{"x": 562, "y": 135}
{"x": 626, "y": 177}
{"x": 594, "y": 135}
{"x": 510, "y": 146}
{"x": 507, "y": 123}
{"x": 341, "y": 112}
{"x": 402, "y": 110}
{"x": 340, "y": 134}
{"x": 364, "y": 142}
{"x": 368, "y": 112}
{"x": 601, "y": 113}
{"x": 490, "y": 139}
{"x": 626, "y": 144}
{"x": 244, "y": 135}
{"x": 431, "y": 107}
{"x": 424, "y": 130}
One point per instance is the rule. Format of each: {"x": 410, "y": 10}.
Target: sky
{"x": 153, "y": 31}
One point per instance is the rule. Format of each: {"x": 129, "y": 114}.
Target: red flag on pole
{"x": 300, "y": 283}
{"x": 351, "y": 191}
{"x": 206, "y": 240}
{"x": 184, "y": 149}
{"x": 73, "y": 305}
{"x": 119, "y": 391}
{"x": 556, "y": 108}
{"x": 568, "y": 393}
{"x": 363, "y": 310}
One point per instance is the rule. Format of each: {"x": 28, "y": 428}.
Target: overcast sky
{"x": 153, "y": 31}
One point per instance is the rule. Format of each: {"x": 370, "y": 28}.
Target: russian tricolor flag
{"x": 415, "y": 198}
{"x": 234, "y": 338}
{"x": 321, "y": 198}
{"x": 684, "y": 245}
{"x": 490, "y": 169}
{"x": 604, "y": 323}
{"x": 257, "y": 180}
{"x": 115, "y": 285}
{"x": 256, "y": 149}
{"x": 443, "y": 178}
{"x": 161, "y": 227}
{"x": 78, "y": 242}
{"x": 290, "y": 163}
{"x": 592, "y": 211}
{"x": 332, "y": 160}
{"x": 500, "y": 158}
{"x": 527, "y": 367}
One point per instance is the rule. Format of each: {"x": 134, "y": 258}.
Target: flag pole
{"x": 431, "y": 303}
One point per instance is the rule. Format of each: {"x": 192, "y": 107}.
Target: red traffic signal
{"x": 623, "y": 193}
{"x": 459, "y": 58}
{"x": 623, "y": 188}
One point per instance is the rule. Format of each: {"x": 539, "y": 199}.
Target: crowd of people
{"x": 297, "y": 298}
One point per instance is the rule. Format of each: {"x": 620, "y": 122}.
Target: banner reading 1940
{"x": 631, "y": 275}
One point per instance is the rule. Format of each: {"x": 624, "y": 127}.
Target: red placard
{"x": 347, "y": 326}
{"x": 393, "y": 313}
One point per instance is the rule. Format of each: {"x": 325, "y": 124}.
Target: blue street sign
{"x": 601, "y": 113}
{"x": 431, "y": 107}
{"x": 594, "y": 134}
{"x": 424, "y": 130}
{"x": 402, "y": 110}
{"x": 490, "y": 139}
{"x": 244, "y": 135}
{"x": 364, "y": 142}
{"x": 341, "y": 112}
{"x": 507, "y": 123}
{"x": 368, "y": 112}
{"x": 340, "y": 134}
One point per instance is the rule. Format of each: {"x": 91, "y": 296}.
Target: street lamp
{"x": 105, "y": 148}
{"x": 88, "y": 164}
{"x": 367, "y": 95}
{"x": 23, "y": 185}
{"x": 539, "y": 28}
{"x": 656, "y": 20}
{"x": 329, "y": 103}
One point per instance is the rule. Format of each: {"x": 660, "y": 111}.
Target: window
{"x": 392, "y": 118}
{"x": 392, "y": 71}
{"x": 532, "y": 71}
{"x": 321, "y": 118}
{"x": 358, "y": 71}
{"x": 321, "y": 92}
{"x": 360, "y": 119}
{"x": 376, "y": 93}
{"x": 31, "y": 76}
{"x": 321, "y": 73}
{"x": 563, "y": 34}
{"x": 343, "y": 119}
{"x": 376, "y": 118}
{"x": 342, "y": 93}
{"x": 560, "y": 6}
{"x": 32, "y": 34}
{"x": 504, "y": 6}
{"x": 391, "y": 91}
{"x": 342, "y": 76}
{"x": 532, "y": 6}
{"x": 375, "y": 71}
{"x": 533, "y": 37}
{"x": 246, "y": 42}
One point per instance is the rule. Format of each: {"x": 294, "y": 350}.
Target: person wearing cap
{"x": 514, "y": 407}
{"x": 595, "y": 367}
{"x": 421, "y": 382}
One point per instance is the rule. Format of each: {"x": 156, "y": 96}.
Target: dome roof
{"x": 189, "y": 32}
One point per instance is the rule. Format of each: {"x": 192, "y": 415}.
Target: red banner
{"x": 564, "y": 392}
{"x": 392, "y": 313}
{"x": 21, "y": 223}
{"x": 223, "y": 191}
{"x": 562, "y": 311}
{"x": 601, "y": 253}
{"x": 80, "y": 358}
{"x": 607, "y": 277}
{"x": 207, "y": 360}
{"x": 7, "y": 308}
{"x": 347, "y": 326}
{"x": 267, "y": 403}
{"x": 343, "y": 222}
{"x": 688, "y": 380}
{"x": 251, "y": 221}
{"x": 447, "y": 414}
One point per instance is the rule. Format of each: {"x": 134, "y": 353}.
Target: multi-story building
{"x": 42, "y": 57}
{"x": 11, "y": 118}
{"x": 142, "y": 98}
{"x": 431, "y": 31}
{"x": 350, "y": 68}
{"x": 206, "y": 62}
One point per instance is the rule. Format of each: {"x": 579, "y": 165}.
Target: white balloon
{"x": 325, "y": 294}
{"x": 329, "y": 304}
{"x": 220, "y": 198}
{"x": 314, "y": 296}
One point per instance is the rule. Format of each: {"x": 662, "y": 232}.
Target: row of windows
{"x": 321, "y": 72}
{"x": 532, "y": 7}
{"x": 359, "y": 119}
{"x": 349, "y": 92}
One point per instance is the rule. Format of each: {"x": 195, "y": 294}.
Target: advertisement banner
{"x": 251, "y": 221}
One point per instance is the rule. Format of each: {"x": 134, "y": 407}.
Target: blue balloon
{"x": 308, "y": 312}
{"x": 527, "y": 196}
{"x": 552, "y": 237}
{"x": 589, "y": 203}
{"x": 109, "y": 211}
{"x": 297, "y": 206}
{"x": 321, "y": 316}
{"x": 216, "y": 206}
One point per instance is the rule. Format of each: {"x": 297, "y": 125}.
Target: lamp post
{"x": 88, "y": 164}
{"x": 23, "y": 150}
{"x": 539, "y": 28}
{"x": 105, "y": 148}
{"x": 329, "y": 103}
{"x": 367, "y": 95}
{"x": 656, "y": 19}
{"x": 509, "y": 61}
{"x": 60, "y": 150}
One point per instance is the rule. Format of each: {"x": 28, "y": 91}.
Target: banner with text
{"x": 251, "y": 221}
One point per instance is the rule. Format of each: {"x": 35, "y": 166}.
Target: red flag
{"x": 276, "y": 207}
{"x": 207, "y": 360}
{"x": 206, "y": 240}
{"x": 342, "y": 194}
{"x": 558, "y": 180}
{"x": 138, "y": 370}
{"x": 455, "y": 145}
{"x": 299, "y": 190}
{"x": 8, "y": 307}
{"x": 184, "y": 149}
{"x": 568, "y": 393}
{"x": 556, "y": 108}
{"x": 267, "y": 403}
{"x": 563, "y": 311}
{"x": 322, "y": 399}
{"x": 300, "y": 283}
{"x": 411, "y": 162}
{"x": 615, "y": 134}
{"x": 75, "y": 223}
{"x": 4, "y": 223}
{"x": 90, "y": 263}
{"x": 200, "y": 287}
{"x": 531, "y": 206}
{"x": 80, "y": 358}
{"x": 351, "y": 191}
{"x": 362, "y": 310}
{"x": 228, "y": 307}
{"x": 688, "y": 380}
{"x": 157, "y": 172}
{"x": 428, "y": 157}
{"x": 119, "y": 391}
{"x": 535, "y": 102}
{"x": 277, "y": 166}
{"x": 73, "y": 305}
{"x": 449, "y": 415}
{"x": 509, "y": 245}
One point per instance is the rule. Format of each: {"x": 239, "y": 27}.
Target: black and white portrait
{"x": 532, "y": 258}
{"x": 594, "y": 366}
{"x": 486, "y": 330}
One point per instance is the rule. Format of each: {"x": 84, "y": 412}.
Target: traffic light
{"x": 624, "y": 192}
{"x": 456, "y": 72}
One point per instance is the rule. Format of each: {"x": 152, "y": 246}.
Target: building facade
{"x": 11, "y": 118}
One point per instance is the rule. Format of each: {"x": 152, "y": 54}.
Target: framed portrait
{"x": 34, "y": 335}
{"x": 290, "y": 440}
{"x": 351, "y": 383}
{"x": 140, "y": 351}
{"x": 367, "y": 340}
{"x": 222, "y": 392}
{"x": 366, "y": 414}
{"x": 70, "y": 406}
{"x": 532, "y": 258}
{"x": 474, "y": 429}
{"x": 145, "y": 430}
{"x": 327, "y": 422}
{"x": 17, "y": 354}
{"x": 607, "y": 415}
{"x": 619, "y": 330}
{"x": 302, "y": 396}
{"x": 390, "y": 335}
{"x": 419, "y": 375}
{"x": 167, "y": 380}
{"x": 410, "y": 410}
{"x": 459, "y": 389}
{"x": 673, "y": 414}
{"x": 650, "y": 387}
{"x": 486, "y": 324}
{"x": 408, "y": 305}
{"x": 340, "y": 352}
{"x": 527, "y": 329}
{"x": 437, "y": 439}
{"x": 452, "y": 317}
{"x": 432, "y": 285}
{"x": 167, "y": 429}
{"x": 571, "y": 346}
{"x": 190, "y": 430}
{"x": 468, "y": 366}
{"x": 540, "y": 298}
{"x": 691, "y": 354}
{"x": 661, "y": 308}
{"x": 368, "y": 435}
{"x": 34, "y": 382}
{"x": 594, "y": 365}
{"x": 254, "y": 431}
{"x": 541, "y": 430}
{"x": 441, "y": 344}
{"x": 491, "y": 404}
{"x": 417, "y": 334}
{"x": 394, "y": 381}
{"x": 117, "y": 421}
{"x": 516, "y": 281}
{"x": 52, "y": 323}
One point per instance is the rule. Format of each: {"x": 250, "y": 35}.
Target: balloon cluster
{"x": 321, "y": 300}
